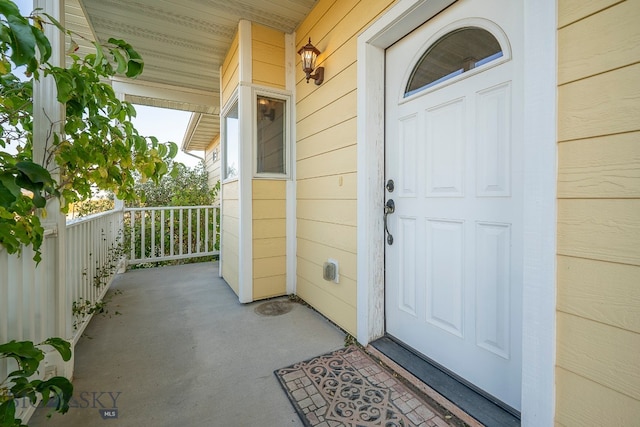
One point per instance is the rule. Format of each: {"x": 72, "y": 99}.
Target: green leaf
{"x": 23, "y": 42}
{"x": 44, "y": 47}
{"x": 62, "y": 346}
{"x": 173, "y": 149}
{"x": 175, "y": 171}
{"x": 64, "y": 84}
{"x": 135, "y": 67}
{"x": 6, "y": 197}
{"x": 8, "y": 414}
{"x": 34, "y": 172}
{"x": 161, "y": 168}
{"x": 99, "y": 54}
{"x": 39, "y": 201}
{"x": 25, "y": 354}
{"x": 8, "y": 8}
{"x": 122, "y": 63}
{"x": 8, "y": 180}
{"x": 22, "y": 387}
{"x": 63, "y": 390}
{"x": 117, "y": 42}
{"x": 55, "y": 22}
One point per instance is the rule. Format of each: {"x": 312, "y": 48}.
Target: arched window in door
{"x": 454, "y": 53}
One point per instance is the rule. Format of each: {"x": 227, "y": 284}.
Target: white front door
{"x": 453, "y": 273}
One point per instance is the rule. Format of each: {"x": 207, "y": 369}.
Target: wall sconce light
{"x": 309, "y": 54}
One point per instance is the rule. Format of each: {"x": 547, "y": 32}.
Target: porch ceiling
{"x": 183, "y": 44}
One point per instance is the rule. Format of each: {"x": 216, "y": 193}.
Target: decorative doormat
{"x": 348, "y": 388}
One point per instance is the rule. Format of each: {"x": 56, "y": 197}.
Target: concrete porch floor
{"x": 185, "y": 352}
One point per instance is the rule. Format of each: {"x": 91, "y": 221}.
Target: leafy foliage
{"x": 99, "y": 146}
{"x": 91, "y": 206}
{"x": 18, "y": 385}
{"x": 186, "y": 187}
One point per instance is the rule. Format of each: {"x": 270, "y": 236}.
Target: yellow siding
{"x": 602, "y": 229}
{"x": 598, "y": 328}
{"x": 230, "y": 71}
{"x": 612, "y": 362}
{"x": 230, "y": 221}
{"x": 613, "y": 104}
{"x": 600, "y": 167}
{"x": 581, "y": 402}
{"x": 570, "y": 11}
{"x": 610, "y": 50}
{"x": 212, "y": 162}
{"x": 230, "y": 235}
{"x": 268, "y": 57}
{"x": 326, "y": 156}
{"x": 583, "y": 293}
{"x": 269, "y": 238}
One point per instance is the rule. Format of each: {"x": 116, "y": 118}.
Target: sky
{"x": 164, "y": 124}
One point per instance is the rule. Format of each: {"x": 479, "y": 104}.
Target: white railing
{"x": 94, "y": 255}
{"x": 34, "y": 305}
{"x": 55, "y": 297}
{"x": 170, "y": 233}
{"x": 58, "y": 296}
{"x": 28, "y": 295}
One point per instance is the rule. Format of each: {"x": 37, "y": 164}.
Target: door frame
{"x": 539, "y": 181}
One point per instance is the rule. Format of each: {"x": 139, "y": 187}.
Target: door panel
{"x": 445, "y": 171}
{"x": 493, "y": 130}
{"x": 445, "y": 275}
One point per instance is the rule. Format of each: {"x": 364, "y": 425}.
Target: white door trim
{"x": 539, "y": 171}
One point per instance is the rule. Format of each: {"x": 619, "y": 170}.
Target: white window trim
{"x": 540, "y": 177}
{"x": 223, "y": 138}
{"x": 286, "y": 97}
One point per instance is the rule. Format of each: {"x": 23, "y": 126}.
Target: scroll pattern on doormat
{"x": 348, "y": 388}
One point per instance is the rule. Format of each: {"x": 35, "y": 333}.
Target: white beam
{"x": 146, "y": 89}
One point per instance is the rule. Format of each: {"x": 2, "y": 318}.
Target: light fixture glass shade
{"x": 308, "y": 54}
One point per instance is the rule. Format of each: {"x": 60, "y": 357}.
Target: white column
{"x": 245, "y": 165}
{"x": 291, "y": 221}
{"x": 48, "y": 117}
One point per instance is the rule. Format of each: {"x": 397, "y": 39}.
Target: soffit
{"x": 183, "y": 43}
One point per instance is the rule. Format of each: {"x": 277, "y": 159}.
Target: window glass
{"x": 271, "y": 152}
{"x": 231, "y": 143}
{"x": 453, "y": 54}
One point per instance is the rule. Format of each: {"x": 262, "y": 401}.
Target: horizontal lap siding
{"x": 213, "y": 165}
{"x": 268, "y": 57}
{"x": 230, "y": 221}
{"x": 230, "y": 234}
{"x": 230, "y": 71}
{"x": 269, "y": 238}
{"x": 598, "y": 300}
{"x": 326, "y": 156}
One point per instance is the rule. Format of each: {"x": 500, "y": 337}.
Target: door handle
{"x": 389, "y": 208}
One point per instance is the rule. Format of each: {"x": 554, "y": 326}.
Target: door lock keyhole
{"x": 390, "y": 186}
